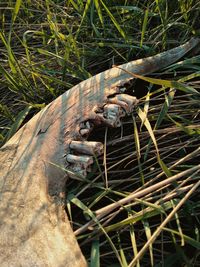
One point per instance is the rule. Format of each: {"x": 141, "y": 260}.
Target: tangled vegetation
{"x": 150, "y": 164}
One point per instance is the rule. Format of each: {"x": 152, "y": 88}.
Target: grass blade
{"x": 187, "y": 239}
{"x": 86, "y": 210}
{"x": 96, "y": 2}
{"x": 95, "y": 254}
{"x": 18, "y": 122}
{"x": 148, "y": 235}
{"x": 16, "y": 10}
{"x": 134, "y": 244}
{"x": 118, "y": 27}
{"x": 144, "y": 26}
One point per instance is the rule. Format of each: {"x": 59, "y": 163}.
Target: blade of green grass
{"x": 162, "y": 114}
{"x": 167, "y": 84}
{"x": 178, "y": 224}
{"x": 118, "y": 27}
{"x": 194, "y": 243}
{"x": 144, "y": 26}
{"x": 87, "y": 5}
{"x": 16, "y": 10}
{"x": 187, "y": 130}
{"x": 95, "y": 254}
{"x": 18, "y": 122}
{"x": 139, "y": 216}
{"x": 137, "y": 145}
{"x": 14, "y": 16}
{"x": 148, "y": 235}
{"x": 134, "y": 243}
{"x": 86, "y": 210}
{"x": 121, "y": 251}
{"x": 75, "y": 5}
{"x": 96, "y": 2}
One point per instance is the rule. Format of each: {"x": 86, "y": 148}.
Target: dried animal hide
{"x": 34, "y": 228}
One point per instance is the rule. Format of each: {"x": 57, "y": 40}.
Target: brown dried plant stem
{"x": 160, "y": 228}
{"x": 106, "y": 210}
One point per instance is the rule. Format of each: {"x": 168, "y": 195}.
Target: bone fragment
{"x": 85, "y": 147}
{"x": 122, "y": 89}
{"x": 80, "y": 169}
{"x": 126, "y": 101}
{"x": 84, "y": 160}
{"x": 85, "y": 132}
{"x": 113, "y": 109}
{"x": 112, "y": 121}
{"x": 76, "y": 172}
{"x": 86, "y": 125}
{"x": 86, "y": 128}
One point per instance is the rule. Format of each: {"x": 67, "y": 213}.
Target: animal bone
{"x": 34, "y": 228}
{"x": 89, "y": 148}
{"x": 85, "y": 132}
{"x": 112, "y": 121}
{"x": 83, "y": 160}
{"x": 113, "y": 110}
{"x": 77, "y": 171}
{"x": 125, "y": 101}
{"x": 86, "y": 128}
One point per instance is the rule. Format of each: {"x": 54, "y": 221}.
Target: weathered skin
{"x": 34, "y": 228}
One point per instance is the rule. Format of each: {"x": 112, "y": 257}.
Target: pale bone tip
{"x": 113, "y": 109}
{"x": 85, "y": 132}
{"x": 86, "y": 128}
{"x": 112, "y": 121}
{"x": 77, "y": 174}
{"x": 126, "y": 101}
{"x": 85, "y": 161}
{"x": 87, "y": 147}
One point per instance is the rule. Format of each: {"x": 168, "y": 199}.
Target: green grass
{"x": 48, "y": 46}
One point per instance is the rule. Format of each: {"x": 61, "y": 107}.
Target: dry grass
{"x": 141, "y": 208}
